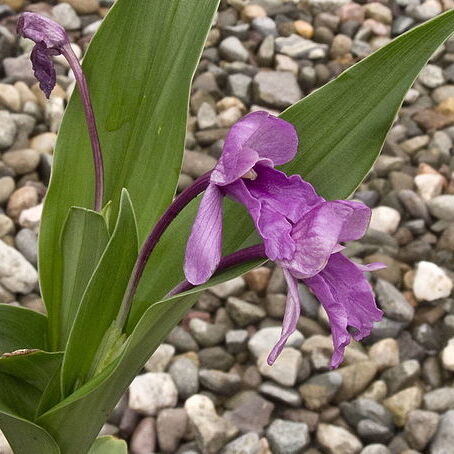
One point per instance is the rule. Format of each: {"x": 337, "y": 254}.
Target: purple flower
{"x": 301, "y": 231}
{"x": 50, "y": 38}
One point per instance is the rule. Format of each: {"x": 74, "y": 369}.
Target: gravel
{"x": 208, "y": 388}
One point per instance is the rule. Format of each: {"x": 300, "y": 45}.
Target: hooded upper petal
{"x": 257, "y": 136}
{"x": 43, "y": 30}
{"x": 203, "y": 250}
{"x": 348, "y": 299}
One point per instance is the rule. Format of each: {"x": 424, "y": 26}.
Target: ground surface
{"x": 207, "y": 388}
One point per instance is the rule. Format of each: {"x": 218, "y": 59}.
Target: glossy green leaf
{"x": 341, "y": 127}
{"x": 84, "y": 239}
{"x": 102, "y": 299}
{"x": 24, "y": 436}
{"x": 139, "y": 67}
{"x": 109, "y": 445}
{"x": 18, "y": 397}
{"x": 95, "y": 400}
{"x": 34, "y": 367}
{"x": 21, "y": 328}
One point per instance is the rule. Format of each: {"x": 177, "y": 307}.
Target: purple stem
{"x": 243, "y": 255}
{"x": 170, "y": 214}
{"x": 74, "y": 63}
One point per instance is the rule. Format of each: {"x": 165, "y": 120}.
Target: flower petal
{"x": 348, "y": 300}
{"x": 357, "y": 223}
{"x": 290, "y": 196}
{"x": 273, "y": 227}
{"x": 203, "y": 250}
{"x": 257, "y": 136}
{"x": 316, "y": 236}
{"x": 292, "y": 313}
{"x": 41, "y": 29}
{"x": 43, "y": 68}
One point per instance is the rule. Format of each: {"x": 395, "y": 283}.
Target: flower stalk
{"x": 81, "y": 80}
{"x": 180, "y": 202}
{"x": 256, "y": 252}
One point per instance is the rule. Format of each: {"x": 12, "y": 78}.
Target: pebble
{"x": 206, "y": 334}
{"x": 296, "y": 47}
{"x": 337, "y": 440}
{"x": 66, "y": 16}
{"x": 392, "y": 302}
{"x": 285, "y": 369}
{"x": 439, "y": 400}
{"x": 8, "y": 130}
{"x": 447, "y": 356}
{"x": 319, "y": 390}
{"x": 264, "y": 340}
{"x": 151, "y": 392}
{"x": 232, "y": 49}
{"x": 420, "y": 427}
{"x": 431, "y": 76}
{"x": 402, "y": 375}
{"x": 442, "y": 207}
{"x": 402, "y": 403}
{"x": 244, "y": 313}
{"x": 246, "y": 444}
{"x": 185, "y": 375}
{"x": 22, "y": 161}
{"x": 143, "y": 440}
{"x": 376, "y": 449}
{"x": 250, "y": 413}
{"x": 287, "y": 437}
{"x": 83, "y": 6}
{"x": 385, "y": 353}
{"x": 182, "y": 340}
{"x": 429, "y": 185}
{"x": 27, "y": 245}
{"x": 7, "y": 186}
{"x": 280, "y": 394}
{"x": 431, "y": 282}
{"x": 220, "y": 382}
{"x": 10, "y": 98}
{"x": 212, "y": 432}
{"x": 355, "y": 379}
{"x": 16, "y": 273}
{"x": 171, "y": 427}
{"x": 234, "y": 287}
{"x": 6, "y": 225}
{"x": 444, "y": 437}
{"x": 384, "y": 219}
{"x": 5, "y": 448}
{"x": 21, "y": 199}
{"x": 277, "y": 89}
{"x": 30, "y": 218}
{"x": 160, "y": 359}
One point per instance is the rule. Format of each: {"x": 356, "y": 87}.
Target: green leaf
{"x": 34, "y": 367}
{"x": 102, "y": 299}
{"x": 24, "y": 436}
{"x": 21, "y": 328}
{"x": 95, "y": 400}
{"x": 109, "y": 445}
{"x": 341, "y": 127}
{"x": 18, "y": 397}
{"x": 139, "y": 67}
{"x": 84, "y": 239}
